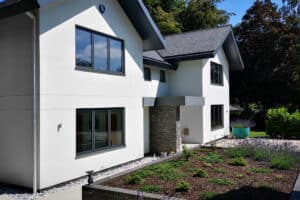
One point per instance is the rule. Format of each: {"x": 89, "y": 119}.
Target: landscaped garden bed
{"x": 238, "y": 173}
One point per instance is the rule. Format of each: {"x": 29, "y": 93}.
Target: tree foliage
{"x": 174, "y": 16}
{"x": 268, "y": 39}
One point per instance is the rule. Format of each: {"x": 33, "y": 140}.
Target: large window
{"x": 99, "y": 129}
{"x": 99, "y": 52}
{"x": 216, "y": 73}
{"x": 217, "y": 116}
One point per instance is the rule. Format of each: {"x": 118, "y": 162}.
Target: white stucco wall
{"x": 63, "y": 89}
{"x": 215, "y": 95}
{"x": 16, "y": 101}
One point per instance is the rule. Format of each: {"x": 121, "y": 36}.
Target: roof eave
{"x": 159, "y": 64}
{"x": 14, "y": 7}
{"x": 194, "y": 56}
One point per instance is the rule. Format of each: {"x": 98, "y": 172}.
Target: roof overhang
{"x": 135, "y": 10}
{"x": 10, "y": 8}
{"x": 173, "y": 101}
{"x": 159, "y": 64}
{"x": 146, "y": 27}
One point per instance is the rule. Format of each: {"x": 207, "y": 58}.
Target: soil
{"x": 247, "y": 185}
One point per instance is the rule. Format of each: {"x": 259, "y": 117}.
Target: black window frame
{"x": 110, "y": 146}
{"x": 162, "y": 76}
{"x": 220, "y": 80}
{"x": 217, "y": 117}
{"x": 147, "y": 77}
{"x": 108, "y": 37}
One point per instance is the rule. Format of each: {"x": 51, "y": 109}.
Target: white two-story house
{"x": 89, "y": 85}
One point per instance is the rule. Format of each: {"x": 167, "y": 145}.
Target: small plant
{"x": 178, "y": 163}
{"x": 145, "y": 173}
{"x": 279, "y": 176}
{"x": 240, "y": 151}
{"x": 242, "y": 123}
{"x": 201, "y": 173}
{"x": 134, "y": 180}
{"x": 212, "y": 158}
{"x": 187, "y": 153}
{"x": 282, "y": 161}
{"x": 240, "y": 175}
{"x": 151, "y": 189}
{"x": 221, "y": 181}
{"x": 260, "y": 154}
{"x": 208, "y": 195}
{"x": 183, "y": 186}
{"x": 260, "y": 170}
{"x": 240, "y": 161}
{"x": 220, "y": 171}
{"x": 208, "y": 165}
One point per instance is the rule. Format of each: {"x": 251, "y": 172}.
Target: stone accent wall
{"x": 164, "y": 136}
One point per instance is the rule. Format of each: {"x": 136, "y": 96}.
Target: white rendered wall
{"x": 215, "y": 95}
{"x": 63, "y": 89}
{"x": 155, "y": 88}
{"x": 16, "y": 101}
{"x": 146, "y": 130}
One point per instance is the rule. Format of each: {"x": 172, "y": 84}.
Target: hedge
{"x": 282, "y": 124}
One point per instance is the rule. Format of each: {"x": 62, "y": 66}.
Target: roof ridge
{"x": 197, "y": 30}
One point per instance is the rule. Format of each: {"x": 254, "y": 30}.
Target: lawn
{"x": 258, "y": 134}
{"x": 209, "y": 173}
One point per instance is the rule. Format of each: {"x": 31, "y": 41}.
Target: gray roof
{"x": 199, "y": 44}
{"x": 135, "y": 10}
{"x": 154, "y": 59}
{"x": 200, "y": 41}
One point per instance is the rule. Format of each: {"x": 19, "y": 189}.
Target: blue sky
{"x": 239, "y": 7}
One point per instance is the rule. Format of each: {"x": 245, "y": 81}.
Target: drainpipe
{"x": 34, "y": 51}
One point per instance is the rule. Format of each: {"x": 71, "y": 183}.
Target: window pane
{"x": 84, "y": 131}
{"x": 100, "y": 51}
{"x": 116, "y": 127}
{"x": 115, "y": 55}
{"x": 162, "y": 76}
{"x": 101, "y": 130}
{"x": 83, "y": 48}
{"x": 147, "y": 74}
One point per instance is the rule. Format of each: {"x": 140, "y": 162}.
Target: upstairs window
{"x": 217, "y": 116}
{"x": 216, "y": 74}
{"x": 147, "y": 74}
{"x": 99, "y": 52}
{"x": 162, "y": 76}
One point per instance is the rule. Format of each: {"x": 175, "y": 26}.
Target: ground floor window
{"x": 217, "y": 116}
{"x": 98, "y": 129}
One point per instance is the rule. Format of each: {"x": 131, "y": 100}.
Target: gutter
{"x": 34, "y": 51}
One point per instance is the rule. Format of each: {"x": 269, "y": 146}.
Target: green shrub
{"x": 134, "y": 180}
{"x": 208, "y": 195}
{"x": 220, "y": 171}
{"x": 260, "y": 170}
{"x": 282, "y": 160}
{"x": 151, "y": 189}
{"x": 221, "y": 181}
{"x": 144, "y": 173}
{"x": 276, "y": 122}
{"x": 212, "y": 158}
{"x": 293, "y": 126}
{"x": 201, "y": 173}
{"x": 239, "y": 151}
{"x": 166, "y": 171}
{"x": 187, "y": 153}
{"x": 183, "y": 186}
{"x": 178, "y": 163}
{"x": 240, "y": 161}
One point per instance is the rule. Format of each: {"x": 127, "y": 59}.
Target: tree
{"x": 267, "y": 45}
{"x": 174, "y": 16}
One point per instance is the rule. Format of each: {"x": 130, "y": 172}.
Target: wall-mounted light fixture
{"x": 101, "y": 8}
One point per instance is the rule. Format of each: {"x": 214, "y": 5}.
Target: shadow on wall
{"x": 69, "y": 8}
{"x": 251, "y": 193}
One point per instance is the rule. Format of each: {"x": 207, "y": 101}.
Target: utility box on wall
{"x": 186, "y": 131}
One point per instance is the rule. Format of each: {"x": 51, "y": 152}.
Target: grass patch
{"x": 201, "y": 173}
{"x": 183, "y": 186}
{"x": 239, "y": 161}
{"x": 257, "y": 134}
{"x": 220, "y": 171}
{"x": 284, "y": 161}
{"x": 221, "y": 181}
{"x": 151, "y": 189}
{"x": 208, "y": 195}
{"x": 134, "y": 180}
{"x": 212, "y": 158}
{"x": 260, "y": 170}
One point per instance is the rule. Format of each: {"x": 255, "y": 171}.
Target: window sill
{"x": 100, "y": 151}
{"x": 90, "y": 69}
{"x": 217, "y": 128}
{"x": 217, "y": 84}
